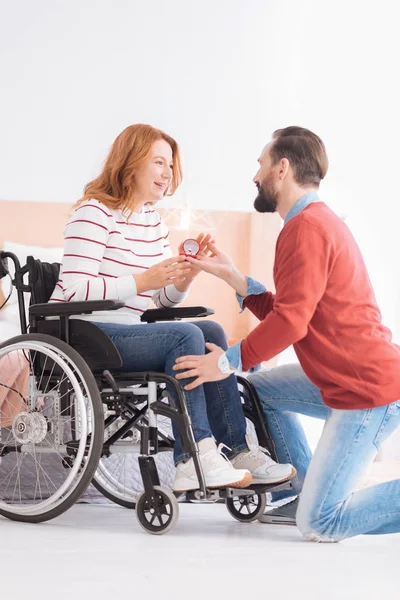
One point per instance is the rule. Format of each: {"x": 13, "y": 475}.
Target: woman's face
{"x": 154, "y": 175}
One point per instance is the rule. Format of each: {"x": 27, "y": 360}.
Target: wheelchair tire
{"x": 246, "y": 509}
{"x": 116, "y": 497}
{"x": 44, "y": 434}
{"x": 113, "y": 477}
{"x": 165, "y": 504}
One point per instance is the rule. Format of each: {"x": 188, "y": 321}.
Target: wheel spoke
{"x": 46, "y": 372}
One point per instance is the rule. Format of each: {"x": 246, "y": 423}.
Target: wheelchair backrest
{"x": 91, "y": 342}
{"x": 42, "y": 279}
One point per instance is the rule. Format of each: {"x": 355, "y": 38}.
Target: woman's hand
{"x": 203, "y": 240}
{"x": 172, "y": 270}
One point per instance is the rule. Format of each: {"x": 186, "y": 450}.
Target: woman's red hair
{"x": 114, "y": 186}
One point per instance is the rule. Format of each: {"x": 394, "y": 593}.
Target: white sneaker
{"x": 261, "y": 466}
{"x": 217, "y": 469}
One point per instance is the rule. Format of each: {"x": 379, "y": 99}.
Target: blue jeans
{"x": 331, "y": 508}
{"x": 215, "y": 408}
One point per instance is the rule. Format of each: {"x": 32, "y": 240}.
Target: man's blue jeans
{"x": 331, "y": 508}
{"x": 215, "y": 408}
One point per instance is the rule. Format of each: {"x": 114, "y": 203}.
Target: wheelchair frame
{"x": 116, "y": 392}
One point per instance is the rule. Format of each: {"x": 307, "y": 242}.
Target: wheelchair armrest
{"x": 62, "y": 309}
{"x": 175, "y": 314}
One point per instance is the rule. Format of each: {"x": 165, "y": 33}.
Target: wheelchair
{"x": 75, "y": 415}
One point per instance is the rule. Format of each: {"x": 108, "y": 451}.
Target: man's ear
{"x": 283, "y": 168}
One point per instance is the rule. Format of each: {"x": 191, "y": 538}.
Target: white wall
{"x": 220, "y": 75}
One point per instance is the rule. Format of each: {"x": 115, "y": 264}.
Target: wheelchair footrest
{"x": 230, "y": 492}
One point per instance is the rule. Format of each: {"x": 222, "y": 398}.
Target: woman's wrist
{"x": 183, "y": 286}
{"x": 140, "y": 280}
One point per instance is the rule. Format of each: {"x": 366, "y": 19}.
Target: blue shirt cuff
{"x": 234, "y": 356}
{"x": 254, "y": 288}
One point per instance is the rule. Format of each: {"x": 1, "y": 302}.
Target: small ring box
{"x": 191, "y": 247}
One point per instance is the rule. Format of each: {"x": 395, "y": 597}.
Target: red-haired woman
{"x": 116, "y": 247}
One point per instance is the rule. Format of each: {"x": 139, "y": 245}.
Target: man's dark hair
{"x": 304, "y": 150}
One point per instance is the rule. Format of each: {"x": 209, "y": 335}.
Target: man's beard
{"x": 267, "y": 199}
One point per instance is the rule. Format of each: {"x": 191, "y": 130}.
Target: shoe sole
{"x": 247, "y": 481}
{"x": 274, "y": 481}
{"x": 243, "y": 483}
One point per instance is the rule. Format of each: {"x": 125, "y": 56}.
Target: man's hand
{"x": 204, "y": 367}
{"x": 219, "y": 264}
{"x": 213, "y": 261}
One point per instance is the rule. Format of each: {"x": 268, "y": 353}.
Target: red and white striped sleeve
{"x": 85, "y": 240}
{"x": 168, "y": 296}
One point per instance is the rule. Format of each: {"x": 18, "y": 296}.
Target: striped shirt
{"x": 102, "y": 250}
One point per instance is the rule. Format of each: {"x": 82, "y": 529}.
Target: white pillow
{"x": 8, "y": 330}
{"x": 22, "y": 251}
{"x": 9, "y": 322}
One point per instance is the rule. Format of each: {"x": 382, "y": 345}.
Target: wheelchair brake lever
{"x": 111, "y": 381}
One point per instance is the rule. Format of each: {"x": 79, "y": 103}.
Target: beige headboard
{"x": 33, "y": 223}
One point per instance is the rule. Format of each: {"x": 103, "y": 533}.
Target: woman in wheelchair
{"x": 116, "y": 247}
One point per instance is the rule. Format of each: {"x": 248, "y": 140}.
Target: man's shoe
{"x": 282, "y": 515}
{"x": 217, "y": 469}
{"x": 263, "y": 469}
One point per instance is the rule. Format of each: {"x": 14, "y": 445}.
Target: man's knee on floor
{"x": 313, "y": 528}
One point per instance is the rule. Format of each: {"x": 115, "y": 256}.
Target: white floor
{"x": 101, "y": 552}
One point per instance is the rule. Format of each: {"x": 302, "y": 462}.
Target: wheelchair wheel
{"x": 246, "y": 508}
{"x": 115, "y": 475}
{"x": 51, "y": 427}
{"x": 113, "y": 479}
{"x": 159, "y": 516}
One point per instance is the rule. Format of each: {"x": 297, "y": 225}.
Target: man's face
{"x": 265, "y": 180}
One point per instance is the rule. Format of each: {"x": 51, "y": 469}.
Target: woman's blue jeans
{"x": 215, "y": 408}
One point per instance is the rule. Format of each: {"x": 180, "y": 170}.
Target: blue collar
{"x": 301, "y": 205}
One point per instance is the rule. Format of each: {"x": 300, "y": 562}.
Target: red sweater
{"x": 325, "y": 306}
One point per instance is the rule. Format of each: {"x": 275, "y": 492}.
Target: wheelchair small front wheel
{"x": 246, "y": 508}
{"x": 159, "y": 515}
